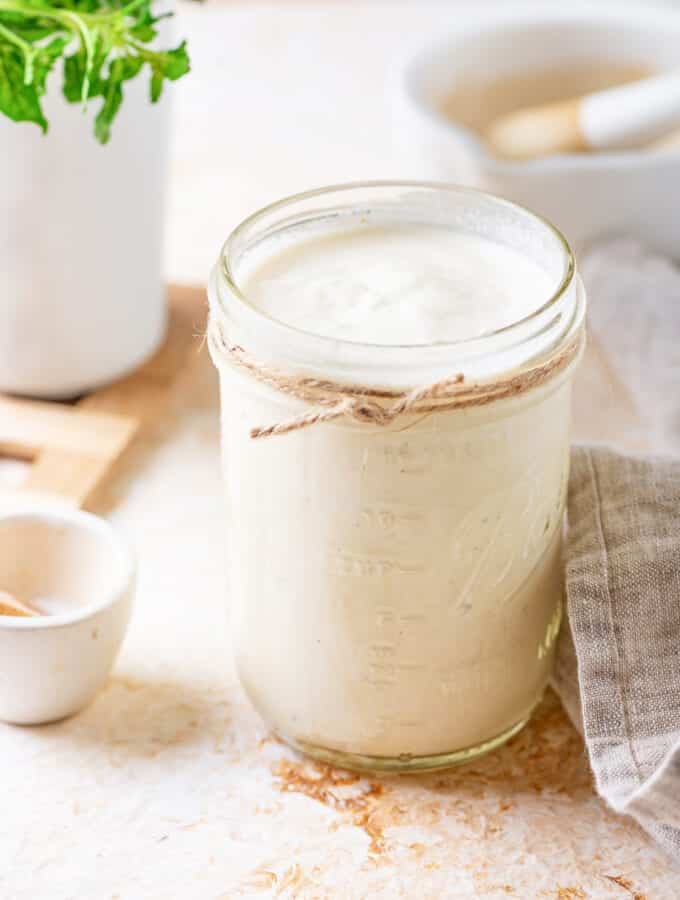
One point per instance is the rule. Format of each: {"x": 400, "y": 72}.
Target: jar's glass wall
{"x": 396, "y": 591}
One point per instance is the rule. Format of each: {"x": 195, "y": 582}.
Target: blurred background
{"x": 288, "y": 95}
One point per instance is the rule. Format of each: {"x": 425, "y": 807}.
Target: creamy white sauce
{"x": 401, "y": 284}
{"x": 396, "y": 591}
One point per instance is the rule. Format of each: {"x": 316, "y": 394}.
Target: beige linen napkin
{"x": 618, "y": 661}
{"x": 618, "y": 667}
{"x": 634, "y": 320}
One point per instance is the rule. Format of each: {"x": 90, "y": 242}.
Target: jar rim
{"x": 225, "y": 261}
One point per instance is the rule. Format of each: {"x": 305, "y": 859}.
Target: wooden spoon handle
{"x": 628, "y": 116}
{"x": 10, "y": 606}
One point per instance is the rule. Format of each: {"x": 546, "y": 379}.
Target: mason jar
{"x": 395, "y": 582}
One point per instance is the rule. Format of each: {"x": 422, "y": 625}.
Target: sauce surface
{"x": 401, "y": 284}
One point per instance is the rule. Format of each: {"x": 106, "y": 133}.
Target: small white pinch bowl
{"x": 51, "y": 666}
{"x": 585, "y": 195}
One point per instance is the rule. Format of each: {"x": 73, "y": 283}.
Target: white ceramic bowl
{"x": 51, "y": 666}
{"x": 587, "y": 195}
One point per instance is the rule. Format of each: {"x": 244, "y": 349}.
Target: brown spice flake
{"x": 259, "y": 880}
{"x": 292, "y": 878}
{"x": 627, "y": 885}
{"x": 571, "y": 893}
{"x": 315, "y": 780}
{"x": 322, "y": 783}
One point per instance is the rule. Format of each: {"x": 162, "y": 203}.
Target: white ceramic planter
{"x": 585, "y": 195}
{"x": 81, "y": 299}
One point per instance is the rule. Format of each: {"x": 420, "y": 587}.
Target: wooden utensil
{"x": 628, "y": 116}
{"x": 73, "y": 447}
{"x": 12, "y": 606}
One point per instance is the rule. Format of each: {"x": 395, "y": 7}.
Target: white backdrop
{"x": 286, "y": 96}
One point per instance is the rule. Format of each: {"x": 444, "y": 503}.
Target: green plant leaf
{"x": 171, "y": 65}
{"x": 44, "y": 60}
{"x": 103, "y": 43}
{"x": 29, "y": 28}
{"x": 121, "y": 69}
{"x": 156, "y": 88}
{"x": 76, "y": 68}
{"x": 18, "y": 100}
{"x": 144, "y": 30}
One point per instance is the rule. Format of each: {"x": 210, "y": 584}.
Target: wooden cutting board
{"x": 72, "y": 447}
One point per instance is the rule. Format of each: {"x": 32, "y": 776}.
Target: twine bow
{"x": 331, "y": 400}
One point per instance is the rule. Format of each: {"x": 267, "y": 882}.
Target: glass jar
{"x": 396, "y": 590}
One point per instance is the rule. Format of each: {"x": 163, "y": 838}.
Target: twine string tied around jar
{"x": 331, "y": 400}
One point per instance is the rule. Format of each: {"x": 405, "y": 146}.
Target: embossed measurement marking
{"x": 420, "y": 455}
{"x": 385, "y": 616}
{"x": 382, "y": 651}
{"x": 370, "y": 566}
{"x": 390, "y": 521}
{"x": 386, "y": 674}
